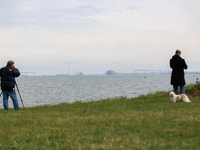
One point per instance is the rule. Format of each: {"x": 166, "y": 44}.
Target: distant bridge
{"x": 26, "y": 73}
{"x": 139, "y": 71}
{"x": 152, "y": 72}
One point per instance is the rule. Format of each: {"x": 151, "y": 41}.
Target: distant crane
{"x": 78, "y": 73}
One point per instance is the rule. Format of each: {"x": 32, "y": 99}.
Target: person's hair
{"x": 178, "y": 52}
{"x": 10, "y": 62}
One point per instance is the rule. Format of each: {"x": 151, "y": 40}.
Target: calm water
{"x": 40, "y": 90}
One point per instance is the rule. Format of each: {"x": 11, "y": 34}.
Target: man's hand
{"x": 14, "y": 66}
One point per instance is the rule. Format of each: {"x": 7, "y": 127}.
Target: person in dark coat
{"x": 8, "y": 75}
{"x": 178, "y": 65}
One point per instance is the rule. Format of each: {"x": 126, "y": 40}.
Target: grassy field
{"x": 146, "y": 122}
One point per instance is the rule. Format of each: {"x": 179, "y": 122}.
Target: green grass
{"x": 146, "y": 122}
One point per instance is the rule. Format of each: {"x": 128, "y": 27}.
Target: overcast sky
{"x": 94, "y": 36}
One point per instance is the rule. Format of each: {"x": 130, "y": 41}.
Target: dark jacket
{"x": 8, "y": 75}
{"x": 178, "y": 65}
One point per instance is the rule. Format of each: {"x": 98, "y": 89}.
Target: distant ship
{"x": 110, "y": 72}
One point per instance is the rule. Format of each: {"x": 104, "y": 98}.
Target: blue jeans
{"x": 182, "y": 89}
{"x": 13, "y": 96}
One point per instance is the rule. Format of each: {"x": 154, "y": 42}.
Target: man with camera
{"x": 8, "y": 75}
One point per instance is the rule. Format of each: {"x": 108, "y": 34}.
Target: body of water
{"x": 41, "y": 90}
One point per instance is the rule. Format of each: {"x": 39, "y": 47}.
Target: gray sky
{"x": 95, "y": 36}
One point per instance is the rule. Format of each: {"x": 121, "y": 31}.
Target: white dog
{"x": 175, "y": 98}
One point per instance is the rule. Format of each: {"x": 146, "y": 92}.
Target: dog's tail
{"x": 185, "y": 98}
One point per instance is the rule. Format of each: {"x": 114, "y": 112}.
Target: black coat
{"x": 178, "y": 65}
{"x": 8, "y": 75}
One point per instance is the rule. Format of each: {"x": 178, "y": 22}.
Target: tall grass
{"x": 193, "y": 90}
{"x": 147, "y": 122}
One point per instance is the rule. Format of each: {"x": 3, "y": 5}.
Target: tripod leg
{"x": 20, "y": 95}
